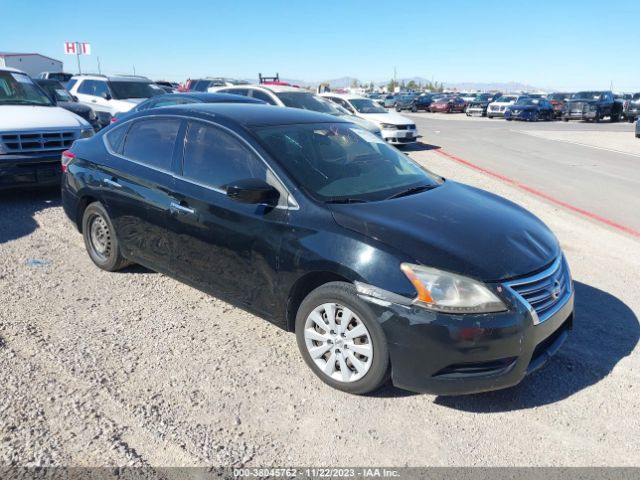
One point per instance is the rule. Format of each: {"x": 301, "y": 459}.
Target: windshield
{"x": 636, "y": 96}
{"x": 18, "y": 89}
{"x": 340, "y": 161}
{"x": 127, "y": 89}
{"x": 485, "y": 97}
{"x": 586, "y": 96}
{"x": 306, "y": 101}
{"x": 57, "y": 91}
{"x": 557, "y": 96}
{"x": 364, "y": 105}
{"x": 506, "y": 99}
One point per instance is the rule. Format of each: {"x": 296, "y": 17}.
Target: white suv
{"x": 396, "y": 129}
{"x": 112, "y": 94}
{"x": 294, "y": 97}
{"x": 33, "y": 132}
{"x": 499, "y": 106}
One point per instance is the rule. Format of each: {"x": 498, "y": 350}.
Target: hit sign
{"x": 77, "y": 48}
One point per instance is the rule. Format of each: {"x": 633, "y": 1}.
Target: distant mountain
{"x": 500, "y": 86}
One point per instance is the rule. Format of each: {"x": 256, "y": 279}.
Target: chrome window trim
{"x": 292, "y": 204}
{"x": 559, "y": 262}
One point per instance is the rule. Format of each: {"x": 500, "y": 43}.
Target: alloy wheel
{"x": 338, "y": 342}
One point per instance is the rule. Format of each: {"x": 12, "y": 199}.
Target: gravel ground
{"x": 134, "y": 368}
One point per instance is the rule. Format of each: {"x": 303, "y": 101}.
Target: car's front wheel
{"x": 341, "y": 340}
{"x": 100, "y": 239}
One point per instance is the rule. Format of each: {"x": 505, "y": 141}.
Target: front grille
{"x": 577, "y": 107}
{"x": 406, "y": 127}
{"x": 38, "y": 141}
{"x": 546, "y": 291}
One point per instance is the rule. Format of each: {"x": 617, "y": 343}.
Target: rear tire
{"x": 353, "y": 358}
{"x": 100, "y": 239}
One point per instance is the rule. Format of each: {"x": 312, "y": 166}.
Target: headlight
{"x": 450, "y": 293}
{"x": 593, "y": 108}
{"x": 86, "y": 133}
{"x": 3, "y": 148}
{"x": 388, "y": 126}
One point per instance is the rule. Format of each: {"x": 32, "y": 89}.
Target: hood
{"x": 502, "y": 104}
{"x": 75, "y": 107}
{"x": 366, "y": 124}
{"x": 389, "y": 117}
{"x": 27, "y": 117}
{"x": 522, "y": 108}
{"x": 581, "y": 101}
{"x": 125, "y": 104}
{"x": 457, "y": 228}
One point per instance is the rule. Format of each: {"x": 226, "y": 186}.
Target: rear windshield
{"x": 125, "y": 89}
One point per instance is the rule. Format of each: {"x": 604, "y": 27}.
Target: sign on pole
{"x": 77, "y": 49}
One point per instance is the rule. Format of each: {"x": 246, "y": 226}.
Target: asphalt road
{"x": 134, "y": 368}
{"x": 593, "y": 167}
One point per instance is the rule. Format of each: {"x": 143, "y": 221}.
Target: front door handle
{"x": 112, "y": 183}
{"x": 176, "y": 207}
{"x": 94, "y": 101}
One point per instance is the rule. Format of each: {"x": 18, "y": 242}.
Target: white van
{"x": 33, "y": 132}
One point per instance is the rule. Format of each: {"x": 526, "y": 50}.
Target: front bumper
{"x": 476, "y": 111}
{"x": 522, "y": 115}
{"x": 460, "y": 354}
{"x": 400, "y": 137}
{"x": 30, "y": 170}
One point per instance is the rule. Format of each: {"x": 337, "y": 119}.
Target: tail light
{"x": 67, "y": 157}
{"x": 114, "y": 119}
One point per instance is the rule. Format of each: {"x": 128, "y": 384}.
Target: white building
{"x": 30, "y": 63}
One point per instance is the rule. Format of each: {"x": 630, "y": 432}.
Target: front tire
{"x": 341, "y": 340}
{"x": 100, "y": 239}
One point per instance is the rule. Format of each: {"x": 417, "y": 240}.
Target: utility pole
{"x": 134, "y": 69}
{"x": 78, "y": 57}
{"x": 99, "y": 71}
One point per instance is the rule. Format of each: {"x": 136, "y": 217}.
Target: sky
{"x": 560, "y": 44}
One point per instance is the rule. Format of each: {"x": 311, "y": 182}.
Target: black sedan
{"x": 186, "y": 98}
{"x": 61, "y": 97}
{"x": 530, "y": 109}
{"x": 380, "y": 267}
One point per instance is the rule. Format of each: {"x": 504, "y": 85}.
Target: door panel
{"x": 227, "y": 248}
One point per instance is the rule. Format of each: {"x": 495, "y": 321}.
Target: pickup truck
{"x": 592, "y": 107}
{"x": 33, "y": 133}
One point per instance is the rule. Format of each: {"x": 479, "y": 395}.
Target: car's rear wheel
{"x": 341, "y": 340}
{"x": 100, "y": 239}
{"x": 398, "y": 108}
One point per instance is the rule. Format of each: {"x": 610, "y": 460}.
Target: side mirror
{"x": 106, "y": 96}
{"x": 253, "y": 191}
{"x": 75, "y": 99}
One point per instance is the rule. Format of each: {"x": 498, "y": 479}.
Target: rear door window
{"x": 152, "y": 142}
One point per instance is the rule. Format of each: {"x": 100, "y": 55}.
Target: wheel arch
{"x": 302, "y": 287}
{"x": 84, "y": 202}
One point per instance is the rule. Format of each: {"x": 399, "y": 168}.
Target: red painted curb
{"x": 538, "y": 193}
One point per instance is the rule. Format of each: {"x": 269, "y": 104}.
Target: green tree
{"x": 354, "y": 83}
{"x": 412, "y": 85}
{"x": 391, "y": 86}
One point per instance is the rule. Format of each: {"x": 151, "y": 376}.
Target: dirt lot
{"x": 134, "y": 368}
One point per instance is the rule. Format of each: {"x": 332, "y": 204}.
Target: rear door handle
{"x": 176, "y": 207}
{"x": 112, "y": 183}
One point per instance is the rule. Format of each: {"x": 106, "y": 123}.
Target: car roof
{"x": 208, "y": 97}
{"x": 10, "y": 69}
{"x": 272, "y": 88}
{"x": 114, "y": 78}
{"x": 248, "y": 114}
